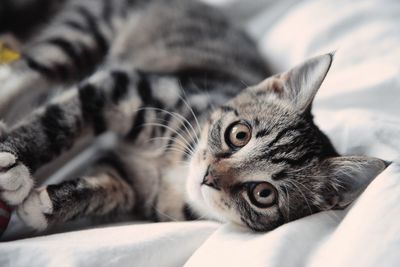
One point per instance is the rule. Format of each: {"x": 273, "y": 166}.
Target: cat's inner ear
{"x": 300, "y": 84}
{"x": 350, "y": 176}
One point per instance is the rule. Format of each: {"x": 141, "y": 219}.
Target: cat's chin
{"x": 206, "y": 201}
{"x": 222, "y": 211}
{"x": 197, "y": 196}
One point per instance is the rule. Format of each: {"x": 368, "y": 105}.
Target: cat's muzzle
{"x": 210, "y": 180}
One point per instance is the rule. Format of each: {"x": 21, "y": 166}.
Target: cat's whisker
{"x": 287, "y": 197}
{"x": 206, "y": 91}
{"x": 183, "y": 163}
{"x": 195, "y": 142}
{"x": 186, "y": 130}
{"x": 174, "y": 141}
{"x": 189, "y": 107}
{"x": 177, "y": 150}
{"x": 308, "y": 176}
{"x": 298, "y": 170}
{"x": 171, "y": 129}
{"x": 300, "y": 183}
{"x": 294, "y": 173}
{"x": 201, "y": 218}
{"x": 179, "y": 117}
{"x": 301, "y": 192}
{"x": 166, "y": 215}
{"x": 181, "y": 148}
{"x": 168, "y": 139}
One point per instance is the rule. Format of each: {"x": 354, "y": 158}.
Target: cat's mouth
{"x": 210, "y": 180}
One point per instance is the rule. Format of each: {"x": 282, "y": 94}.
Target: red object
{"x": 5, "y": 214}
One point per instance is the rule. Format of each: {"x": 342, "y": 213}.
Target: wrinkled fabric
{"x": 357, "y": 106}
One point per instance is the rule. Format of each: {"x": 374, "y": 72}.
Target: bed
{"x": 358, "y": 106}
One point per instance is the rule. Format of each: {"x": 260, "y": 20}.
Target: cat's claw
{"x": 15, "y": 179}
{"x": 34, "y": 209}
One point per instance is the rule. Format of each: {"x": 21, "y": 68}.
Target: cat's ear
{"x": 350, "y": 176}
{"x": 301, "y": 83}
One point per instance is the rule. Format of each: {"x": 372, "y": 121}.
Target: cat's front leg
{"x": 92, "y": 106}
{"x": 15, "y": 178}
{"x": 105, "y": 191}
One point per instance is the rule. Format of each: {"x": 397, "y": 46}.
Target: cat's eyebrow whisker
{"x": 295, "y": 173}
{"x": 308, "y": 176}
{"x": 177, "y": 116}
{"x": 166, "y": 215}
{"x": 171, "y": 129}
{"x": 188, "y": 106}
{"x": 301, "y": 192}
{"x": 298, "y": 170}
{"x": 300, "y": 183}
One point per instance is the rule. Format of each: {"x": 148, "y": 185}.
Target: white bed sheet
{"x": 358, "y": 107}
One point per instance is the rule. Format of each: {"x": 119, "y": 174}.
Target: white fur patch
{"x": 195, "y": 196}
{"x": 32, "y": 211}
{"x": 167, "y": 89}
{"x": 6, "y": 159}
{"x": 15, "y": 183}
{"x": 169, "y": 204}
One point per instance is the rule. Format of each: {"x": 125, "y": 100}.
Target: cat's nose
{"x": 210, "y": 180}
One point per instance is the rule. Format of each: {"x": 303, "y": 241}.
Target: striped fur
{"x": 170, "y": 84}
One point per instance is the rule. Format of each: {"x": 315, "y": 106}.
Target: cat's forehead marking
{"x": 227, "y": 109}
{"x": 256, "y": 121}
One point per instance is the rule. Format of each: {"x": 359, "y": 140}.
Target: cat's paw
{"x": 15, "y": 179}
{"x": 34, "y": 209}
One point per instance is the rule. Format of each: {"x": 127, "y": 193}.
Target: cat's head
{"x": 261, "y": 160}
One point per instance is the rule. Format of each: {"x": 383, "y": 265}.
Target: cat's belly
{"x": 160, "y": 187}
{"x": 172, "y": 193}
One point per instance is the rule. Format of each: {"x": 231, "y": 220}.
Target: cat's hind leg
{"x": 67, "y": 49}
{"x": 106, "y": 191}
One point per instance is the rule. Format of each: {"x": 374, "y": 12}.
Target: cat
{"x": 202, "y": 131}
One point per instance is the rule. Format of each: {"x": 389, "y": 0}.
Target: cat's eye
{"x": 262, "y": 195}
{"x": 238, "y": 135}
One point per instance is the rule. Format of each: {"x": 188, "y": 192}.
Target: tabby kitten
{"x": 192, "y": 140}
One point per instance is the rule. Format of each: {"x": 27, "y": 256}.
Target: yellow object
{"x": 7, "y": 55}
